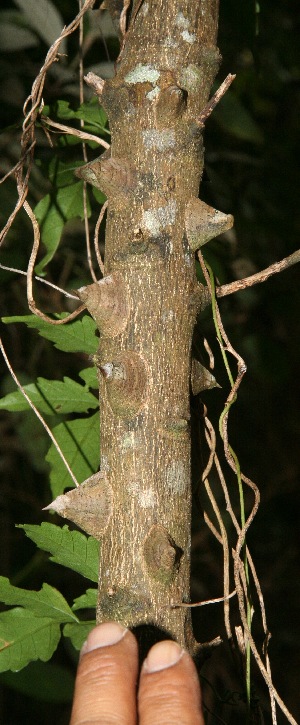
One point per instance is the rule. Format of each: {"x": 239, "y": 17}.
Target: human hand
{"x": 105, "y": 689}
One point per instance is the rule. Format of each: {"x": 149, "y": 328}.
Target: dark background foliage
{"x": 251, "y": 171}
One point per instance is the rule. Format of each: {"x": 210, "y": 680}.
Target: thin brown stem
{"x": 37, "y": 413}
{"x": 85, "y": 157}
{"x": 40, "y": 279}
{"x": 206, "y": 601}
{"x": 31, "y": 302}
{"x": 208, "y": 109}
{"x": 240, "y": 284}
{"x": 210, "y": 354}
{"x": 211, "y": 440}
{"x": 96, "y": 237}
{"x": 123, "y": 17}
{"x": 256, "y": 654}
{"x": 212, "y": 527}
{"x": 75, "y": 132}
{"x": 95, "y": 82}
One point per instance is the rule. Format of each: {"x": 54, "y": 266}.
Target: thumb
{"x": 105, "y": 687}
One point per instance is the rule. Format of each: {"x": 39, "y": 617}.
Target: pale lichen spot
{"x": 144, "y": 9}
{"x": 131, "y": 110}
{"x": 160, "y": 140}
{"x": 147, "y": 499}
{"x": 168, "y": 315}
{"x": 170, "y": 43}
{"x": 190, "y": 78}
{"x": 104, "y": 467}
{"x": 128, "y": 441}
{"x": 153, "y": 94}
{"x": 176, "y": 477}
{"x": 188, "y": 37}
{"x": 157, "y": 219}
{"x": 189, "y": 260}
{"x": 181, "y": 21}
{"x": 134, "y": 488}
{"x": 142, "y": 74}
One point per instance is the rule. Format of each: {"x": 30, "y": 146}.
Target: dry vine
{"x": 32, "y": 108}
{"x": 241, "y": 555}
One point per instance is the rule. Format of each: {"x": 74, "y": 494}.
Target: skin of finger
{"x": 105, "y": 687}
{"x": 171, "y": 696}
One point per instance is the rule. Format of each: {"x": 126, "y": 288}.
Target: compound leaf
{"x": 87, "y": 600}
{"x": 25, "y": 637}
{"x": 68, "y": 548}
{"x": 78, "y": 632}
{"x": 77, "y": 336}
{"x": 79, "y": 441}
{"x": 48, "y": 602}
{"x": 51, "y": 397}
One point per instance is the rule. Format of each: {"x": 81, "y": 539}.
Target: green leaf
{"x": 51, "y": 223}
{"x": 78, "y": 633}
{"x": 77, "y": 336}
{"x": 87, "y": 600}
{"x": 68, "y": 548}
{"x": 66, "y": 140}
{"x": 45, "y": 682}
{"x": 70, "y": 201}
{"x": 99, "y": 196}
{"x": 48, "y": 602}
{"x": 93, "y": 114}
{"x": 89, "y": 375}
{"x": 45, "y": 19}
{"x": 233, "y": 117}
{"x": 79, "y": 441}
{"x": 90, "y": 112}
{"x": 33, "y": 439}
{"x": 53, "y": 211}
{"x": 63, "y": 110}
{"x": 25, "y": 638}
{"x": 51, "y": 397}
{"x": 61, "y": 173}
{"x": 14, "y": 38}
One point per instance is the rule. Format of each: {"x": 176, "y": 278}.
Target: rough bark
{"x": 146, "y": 307}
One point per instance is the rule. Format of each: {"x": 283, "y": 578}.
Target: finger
{"x": 105, "y": 687}
{"x": 169, "y": 692}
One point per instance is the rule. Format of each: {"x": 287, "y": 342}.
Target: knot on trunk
{"x": 161, "y": 554}
{"x": 126, "y": 380}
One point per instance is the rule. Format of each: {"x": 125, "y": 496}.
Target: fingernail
{"x": 163, "y": 655}
{"x": 104, "y": 635}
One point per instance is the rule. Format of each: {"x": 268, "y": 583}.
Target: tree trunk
{"x": 146, "y": 307}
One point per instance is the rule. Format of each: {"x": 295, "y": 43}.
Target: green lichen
{"x": 191, "y": 78}
{"x": 142, "y": 74}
